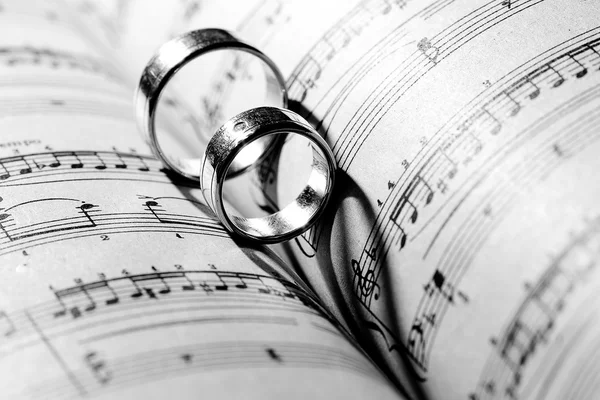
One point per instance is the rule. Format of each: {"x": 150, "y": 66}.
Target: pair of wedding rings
{"x": 255, "y": 131}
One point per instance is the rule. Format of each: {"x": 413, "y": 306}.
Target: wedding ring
{"x": 232, "y": 138}
{"x": 169, "y": 59}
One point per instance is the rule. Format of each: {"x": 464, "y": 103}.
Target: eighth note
{"x": 86, "y": 208}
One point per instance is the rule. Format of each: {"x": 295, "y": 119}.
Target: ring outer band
{"x": 170, "y": 58}
{"x": 228, "y": 142}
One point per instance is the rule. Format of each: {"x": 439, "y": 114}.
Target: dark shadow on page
{"x": 347, "y": 188}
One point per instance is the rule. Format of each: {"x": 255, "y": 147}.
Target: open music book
{"x": 457, "y": 261}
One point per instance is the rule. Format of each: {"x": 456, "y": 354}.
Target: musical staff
{"x": 75, "y": 305}
{"x": 535, "y": 321}
{"x": 408, "y": 210}
{"x": 179, "y": 361}
{"x": 107, "y": 291}
{"x": 495, "y": 204}
{"x": 29, "y": 56}
{"x": 61, "y": 166}
{"x": 31, "y": 106}
{"x": 172, "y": 295}
{"x": 57, "y": 219}
{"x": 94, "y": 299}
{"x": 348, "y": 28}
{"x": 429, "y": 53}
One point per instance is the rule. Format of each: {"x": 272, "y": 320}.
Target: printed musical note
{"x": 419, "y": 180}
{"x": 5, "y": 175}
{"x": 74, "y": 311}
{"x": 582, "y": 71}
{"x": 496, "y": 125}
{"x": 274, "y": 355}
{"x": 189, "y": 284}
{"x": 439, "y": 284}
{"x": 98, "y": 367}
{"x": 559, "y": 77}
{"x": 312, "y": 72}
{"x": 87, "y": 209}
{"x": 399, "y": 207}
{"x": 530, "y": 327}
{"x": 513, "y": 105}
{"x": 91, "y": 306}
{"x": 536, "y": 90}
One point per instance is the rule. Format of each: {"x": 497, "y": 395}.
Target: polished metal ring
{"x": 232, "y": 138}
{"x": 169, "y": 59}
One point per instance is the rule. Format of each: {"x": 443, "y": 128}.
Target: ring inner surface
{"x": 205, "y": 93}
{"x": 296, "y": 215}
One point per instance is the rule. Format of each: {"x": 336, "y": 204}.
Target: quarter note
{"x": 102, "y": 165}
{"x": 418, "y": 179}
{"x": 5, "y": 175}
{"x": 144, "y": 166}
{"x": 92, "y": 304}
{"x": 190, "y": 285}
{"x": 400, "y": 206}
{"x": 121, "y": 164}
{"x": 583, "y": 71}
{"x": 56, "y": 163}
{"x": 78, "y": 164}
{"x": 222, "y": 286}
{"x": 515, "y": 106}
{"x": 27, "y": 169}
{"x": 536, "y": 91}
{"x": 559, "y": 80}
{"x": 138, "y": 291}
{"x": 115, "y": 298}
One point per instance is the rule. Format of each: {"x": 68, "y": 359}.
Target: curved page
{"x": 116, "y": 280}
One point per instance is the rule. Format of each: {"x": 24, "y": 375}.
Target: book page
{"x": 465, "y": 233}
{"x": 117, "y": 282}
{"x": 464, "y": 237}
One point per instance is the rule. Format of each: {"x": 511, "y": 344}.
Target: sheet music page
{"x": 116, "y": 280}
{"x": 464, "y": 237}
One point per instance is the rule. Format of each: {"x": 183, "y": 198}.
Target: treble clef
{"x": 366, "y": 283}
